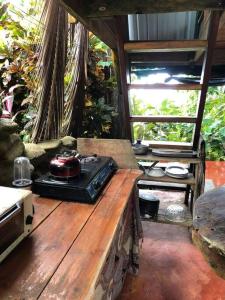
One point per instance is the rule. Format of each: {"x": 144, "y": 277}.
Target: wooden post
{"x": 206, "y": 72}
{"x": 123, "y": 77}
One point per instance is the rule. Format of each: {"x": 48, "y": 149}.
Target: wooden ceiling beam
{"x": 105, "y": 8}
{"x": 101, "y": 28}
{"x": 165, "y": 46}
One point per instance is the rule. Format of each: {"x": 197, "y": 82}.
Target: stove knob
{"x": 96, "y": 185}
{"x": 111, "y": 165}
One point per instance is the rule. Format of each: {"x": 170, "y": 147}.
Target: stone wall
{"x": 40, "y": 154}
{"x": 11, "y": 147}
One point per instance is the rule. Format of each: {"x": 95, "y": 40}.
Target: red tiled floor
{"x": 215, "y": 170}
{"x": 171, "y": 267}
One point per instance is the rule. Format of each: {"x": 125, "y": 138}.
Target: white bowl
{"x": 155, "y": 172}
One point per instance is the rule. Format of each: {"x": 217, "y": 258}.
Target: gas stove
{"x": 85, "y": 188}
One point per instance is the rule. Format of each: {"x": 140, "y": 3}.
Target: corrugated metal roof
{"x": 163, "y": 26}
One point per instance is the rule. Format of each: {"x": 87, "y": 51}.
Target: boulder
{"x": 33, "y": 151}
{"x": 69, "y": 141}
{"x": 38, "y": 158}
{"x": 4, "y": 145}
{"x": 15, "y": 148}
{"x": 6, "y": 173}
{"x": 209, "y": 227}
{"x": 50, "y": 145}
{"x": 7, "y": 127}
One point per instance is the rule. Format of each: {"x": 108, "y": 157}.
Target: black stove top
{"x": 83, "y": 188}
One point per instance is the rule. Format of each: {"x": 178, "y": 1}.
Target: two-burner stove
{"x": 85, "y": 188}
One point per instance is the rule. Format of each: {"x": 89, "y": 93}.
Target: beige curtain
{"x": 50, "y": 73}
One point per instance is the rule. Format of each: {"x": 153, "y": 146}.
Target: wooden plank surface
{"x": 82, "y": 265}
{"x": 27, "y": 271}
{"x": 165, "y": 46}
{"x": 43, "y": 207}
{"x": 106, "y": 8}
{"x": 164, "y": 86}
{"x": 120, "y": 150}
{"x": 161, "y": 118}
{"x": 190, "y": 180}
{"x": 170, "y": 145}
{"x": 150, "y": 157}
{"x": 98, "y": 28}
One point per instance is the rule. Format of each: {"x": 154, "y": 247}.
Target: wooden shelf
{"x": 150, "y": 157}
{"x": 163, "y": 119}
{"x": 169, "y": 145}
{"x": 165, "y": 46}
{"x": 190, "y": 180}
{"x": 164, "y": 86}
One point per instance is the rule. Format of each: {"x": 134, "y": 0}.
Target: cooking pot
{"x": 65, "y": 165}
{"x": 139, "y": 148}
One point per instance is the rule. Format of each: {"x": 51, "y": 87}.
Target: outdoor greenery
{"x": 18, "y": 40}
{"x": 161, "y": 131}
{"x": 99, "y": 113}
{"x": 213, "y": 126}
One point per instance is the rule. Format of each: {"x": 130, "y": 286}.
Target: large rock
{"x": 38, "y": 157}
{"x": 209, "y": 227}
{"x": 14, "y": 149}
{"x": 50, "y": 145}
{"x": 69, "y": 141}
{"x": 4, "y": 145}
{"x": 33, "y": 151}
{"x": 6, "y": 173}
{"x": 7, "y": 127}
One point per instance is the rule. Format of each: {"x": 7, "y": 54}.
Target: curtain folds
{"x": 76, "y": 68}
{"x": 61, "y": 74}
{"x": 49, "y": 94}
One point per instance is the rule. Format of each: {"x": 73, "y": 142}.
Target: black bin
{"x": 149, "y": 204}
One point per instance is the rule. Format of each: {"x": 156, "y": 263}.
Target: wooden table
{"x": 75, "y": 250}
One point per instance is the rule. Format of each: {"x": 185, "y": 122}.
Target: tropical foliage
{"x": 98, "y": 114}
{"x": 18, "y": 40}
{"x": 213, "y": 126}
{"x": 20, "y": 28}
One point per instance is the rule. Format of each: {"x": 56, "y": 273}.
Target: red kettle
{"x": 65, "y": 165}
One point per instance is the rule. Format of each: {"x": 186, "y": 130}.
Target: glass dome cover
{"x": 22, "y": 172}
